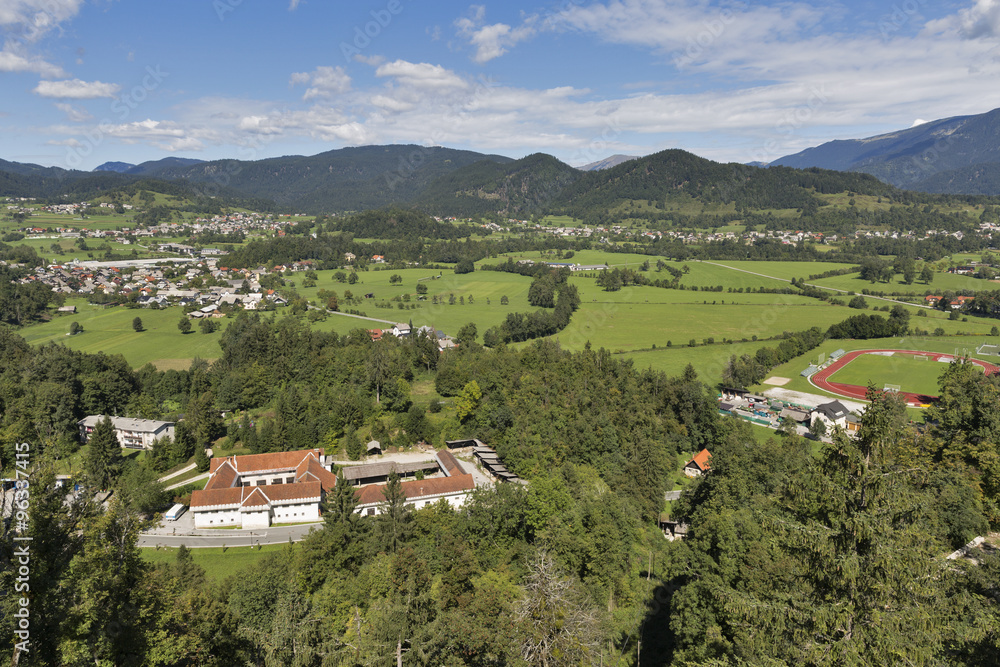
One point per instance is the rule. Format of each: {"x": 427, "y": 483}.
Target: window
{"x": 371, "y": 511}
{"x": 289, "y": 480}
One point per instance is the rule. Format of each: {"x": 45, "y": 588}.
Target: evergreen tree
{"x": 104, "y": 457}
{"x": 395, "y": 519}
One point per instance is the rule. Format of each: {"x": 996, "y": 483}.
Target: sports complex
{"x": 911, "y": 373}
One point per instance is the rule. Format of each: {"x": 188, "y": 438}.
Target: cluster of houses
{"x": 152, "y": 287}
{"x": 403, "y": 330}
{"x": 956, "y": 303}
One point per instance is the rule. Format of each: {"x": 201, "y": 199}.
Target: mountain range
{"x": 959, "y": 155}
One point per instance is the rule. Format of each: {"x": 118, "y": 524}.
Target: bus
{"x": 175, "y": 512}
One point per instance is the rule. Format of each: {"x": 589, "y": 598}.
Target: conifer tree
{"x": 104, "y": 458}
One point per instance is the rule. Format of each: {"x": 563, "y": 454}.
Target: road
{"x": 672, "y": 495}
{"x": 831, "y": 289}
{"x": 358, "y": 317}
{"x": 187, "y": 481}
{"x": 200, "y": 539}
{"x": 179, "y": 472}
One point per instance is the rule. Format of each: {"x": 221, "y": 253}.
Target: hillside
{"x": 959, "y": 155}
{"x": 674, "y": 175}
{"x": 607, "y": 163}
{"x": 349, "y": 179}
{"x": 515, "y": 188}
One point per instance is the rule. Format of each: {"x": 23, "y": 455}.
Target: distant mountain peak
{"x": 607, "y": 163}
{"x": 957, "y": 155}
{"x": 117, "y": 167}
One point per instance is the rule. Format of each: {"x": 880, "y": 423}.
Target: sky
{"x": 86, "y": 82}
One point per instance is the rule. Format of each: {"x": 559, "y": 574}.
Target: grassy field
{"x": 218, "y": 564}
{"x": 919, "y": 377}
{"x": 110, "y": 330}
{"x": 708, "y": 361}
{"x": 786, "y": 270}
{"x": 940, "y": 283}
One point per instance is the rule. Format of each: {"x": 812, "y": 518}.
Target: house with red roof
{"x": 698, "y": 465}
{"x": 257, "y": 490}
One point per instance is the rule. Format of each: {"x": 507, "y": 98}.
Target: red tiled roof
{"x": 299, "y": 491}
{"x": 310, "y": 469}
{"x": 701, "y": 460}
{"x": 223, "y": 477}
{"x": 419, "y": 488}
{"x": 255, "y": 499}
{"x": 450, "y": 463}
{"x": 261, "y": 462}
{"x": 210, "y": 497}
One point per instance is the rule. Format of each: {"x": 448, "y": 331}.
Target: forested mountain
{"x": 349, "y": 179}
{"x": 959, "y": 155}
{"x": 516, "y": 188}
{"x": 672, "y": 174}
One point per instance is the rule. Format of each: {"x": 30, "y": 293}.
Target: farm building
{"x": 419, "y": 493}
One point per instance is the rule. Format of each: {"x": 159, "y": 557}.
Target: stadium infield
{"x": 822, "y": 378}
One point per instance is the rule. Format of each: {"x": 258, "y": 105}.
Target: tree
{"x": 557, "y": 624}
{"x": 927, "y": 275}
{"x": 353, "y": 278}
{"x": 421, "y": 288}
{"x": 184, "y": 325}
{"x": 465, "y": 266}
{"x": 137, "y": 324}
{"x": 818, "y": 428}
{"x": 201, "y": 460}
{"x": 504, "y": 300}
{"x": 468, "y": 401}
{"x": 858, "y": 302}
{"x": 395, "y": 279}
{"x": 467, "y": 334}
{"x": 331, "y": 303}
{"x": 75, "y": 328}
{"x": 104, "y": 457}
{"x": 207, "y": 325}
{"x": 394, "y": 521}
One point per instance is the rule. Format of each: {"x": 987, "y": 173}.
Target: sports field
{"x": 906, "y": 370}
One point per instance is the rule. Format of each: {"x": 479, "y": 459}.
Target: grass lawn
{"x": 110, "y": 331}
{"x": 787, "y": 270}
{"x": 919, "y": 377}
{"x": 218, "y": 564}
{"x": 708, "y": 360}
{"x": 940, "y": 283}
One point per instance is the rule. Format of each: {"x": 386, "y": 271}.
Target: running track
{"x": 853, "y": 391}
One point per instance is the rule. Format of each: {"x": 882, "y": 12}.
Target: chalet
{"x": 698, "y": 465}
{"x": 401, "y": 330}
{"x": 419, "y": 493}
{"x": 131, "y": 433}
{"x": 255, "y": 490}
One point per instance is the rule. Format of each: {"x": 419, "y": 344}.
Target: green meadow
{"x": 940, "y": 283}
{"x": 110, "y": 330}
{"x": 218, "y": 563}
{"x": 786, "y": 270}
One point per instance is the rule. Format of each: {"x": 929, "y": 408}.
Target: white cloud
{"x": 492, "y": 41}
{"x": 23, "y": 23}
{"x": 373, "y": 61}
{"x": 324, "y": 82}
{"x": 981, "y": 20}
{"x": 74, "y": 114}
{"x": 421, "y": 75}
{"x": 293, "y": 5}
{"x": 76, "y": 89}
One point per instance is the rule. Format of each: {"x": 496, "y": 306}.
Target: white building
{"x": 132, "y": 433}
{"x": 419, "y": 493}
{"x": 257, "y": 490}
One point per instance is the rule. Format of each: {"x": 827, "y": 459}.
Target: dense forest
{"x": 791, "y": 558}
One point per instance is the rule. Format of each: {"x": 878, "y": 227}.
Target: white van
{"x": 175, "y": 512}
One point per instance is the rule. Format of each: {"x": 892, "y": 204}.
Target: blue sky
{"x": 82, "y": 83}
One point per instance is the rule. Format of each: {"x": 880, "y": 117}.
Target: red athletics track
{"x": 856, "y": 392}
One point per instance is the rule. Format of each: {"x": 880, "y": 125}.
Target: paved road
{"x": 187, "y": 481}
{"x": 357, "y": 317}
{"x": 832, "y": 289}
{"x": 179, "y": 472}
{"x": 200, "y": 539}
{"x": 672, "y": 495}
